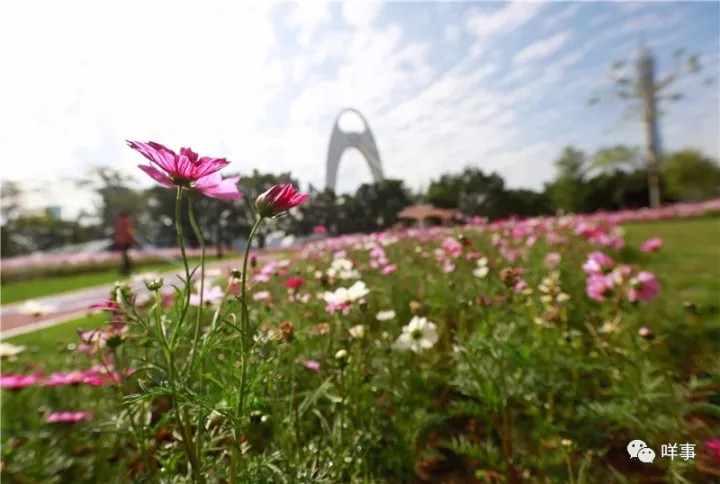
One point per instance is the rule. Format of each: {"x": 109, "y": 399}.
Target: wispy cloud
{"x": 542, "y": 48}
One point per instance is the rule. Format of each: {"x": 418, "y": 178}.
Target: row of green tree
{"x": 611, "y": 179}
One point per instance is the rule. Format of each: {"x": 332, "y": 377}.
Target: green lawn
{"x": 21, "y": 291}
{"x": 691, "y": 254}
{"x": 51, "y": 344}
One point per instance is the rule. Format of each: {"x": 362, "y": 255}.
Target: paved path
{"x": 75, "y": 304}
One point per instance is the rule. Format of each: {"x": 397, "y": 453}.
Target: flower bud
{"x": 154, "y": 285}
{"x": 342, "y": 358}
{"x": 278, "y": 199}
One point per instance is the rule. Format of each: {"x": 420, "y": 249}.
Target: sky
{"x": 502, "y": 86}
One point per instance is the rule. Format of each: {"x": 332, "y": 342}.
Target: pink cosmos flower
{"x": 73, "y": 378}
{"x": 388, "y": 269}
{"x": 713, "y": 447}
{"x": 552, "y": 259}
{"x": 294, "y": 282}
{"x": 643, "y": 287}
{"x": 210, "y": 295}
{"x": 311, "y": 365}
{"x": 598, "y": 287}
{"x": 597, "y": 262}
{"x": 68, "y": 417}
{"x": 18, "y": 382}
{"x": 106, "y": 306}
{"x": 261, "y": 296}
{"x": 448, "y": 266}
{"x": 279, "y": 199}
{"x": 652, "y": 245}
{"x": 645, "y": 332}
{"x": 319, "y": 229}
{"x": 187, "y": 169}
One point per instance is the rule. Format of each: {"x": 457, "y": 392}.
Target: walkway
{"x": 75, "y": 304}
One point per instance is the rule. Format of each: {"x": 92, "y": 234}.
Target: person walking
{"x": 124, "y": 239}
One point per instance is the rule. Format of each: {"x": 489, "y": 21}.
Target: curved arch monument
{"x": 363, "y": 142}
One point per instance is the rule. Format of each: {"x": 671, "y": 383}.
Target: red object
{"x": 123, "y": 231}
{"x": 279, "y": 199}
{"x": 294, "y": 282}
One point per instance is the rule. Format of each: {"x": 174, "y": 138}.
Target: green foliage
{"x": 690, "y": 176}
{"x": 508, "y": 392}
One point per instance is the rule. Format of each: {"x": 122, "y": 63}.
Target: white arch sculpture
{"x": 363, "y": 142}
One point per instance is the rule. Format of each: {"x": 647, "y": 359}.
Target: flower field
{"x": 518, "y": 351}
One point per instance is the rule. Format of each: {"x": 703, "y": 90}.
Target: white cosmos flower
{"x": 211, "y": 295}
{"x": 344, "y": 295}
{"x": 420, "y": 334}
{"x": 385, "y": 315}
{"x": 357, "y": 331}
{"x": 343, "y": 269}
{"x": 35, "y": 308}
{"x": 7, "y": 350}
{"x": 481, "y": 271}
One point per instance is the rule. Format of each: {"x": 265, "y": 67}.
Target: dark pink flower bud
{"x": 278, "y": 199}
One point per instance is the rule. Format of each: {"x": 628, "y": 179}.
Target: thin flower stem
{"x": 181, "y": 242}
{"x": 198, "y": 234}
{"x": 244, "y": 343}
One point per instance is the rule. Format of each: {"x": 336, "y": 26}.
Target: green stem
{"x": 181, "y": 242}
{"x": 198, "y": 234}
{"x": 244, "y": 343}
{"x": 244, "y": 276}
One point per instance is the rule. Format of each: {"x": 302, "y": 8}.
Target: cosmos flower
{"x": 18, "y": 382}
{"x": 643, "y": 287}
{"x": 652, "y": 245}
{"x": 210, "y": 296}
{"x": 311, "y": 365}
{"x": 385, "y": 315}
{"x": 187, "y": 169}
{"x": 279, "y": 199}
{"x": 35, "y": 308}
{"x": 597, "y": 263}
{"x": 68, "y": 417}
{"x": 419, "y": 334}
{"x": 8, "y": 350}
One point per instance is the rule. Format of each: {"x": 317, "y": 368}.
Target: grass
{"x": 690, "y": 254}
{"x": 22, "y": 291}
{"x": 50, "y": 345}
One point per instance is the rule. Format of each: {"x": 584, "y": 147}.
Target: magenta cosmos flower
{"x": 643, "y": 287}
{"x": 187, "y": 169}
{"x": 74, "y": 378}
{"x": 18, "y": 382}
{"x": 279, "y": 199}
{"x": 597, "y": 263}
{"x": 68, "y": 417}
{"x": 652, "y": 245}
{"x": 598, "y": 287}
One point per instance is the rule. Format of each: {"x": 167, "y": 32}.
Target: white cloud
{"x": 542, "y": 48}
{"x": 452, "y": 33}
{"x": 562, "y": 16}
{"x": 360, "y": 13}
{"x": 307, "y": 17}
{"x": 507, "y": 18}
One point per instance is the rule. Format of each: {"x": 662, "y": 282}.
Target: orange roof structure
{"x": 422, "y": 212}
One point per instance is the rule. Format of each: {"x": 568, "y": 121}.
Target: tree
{"x": 644, "y": 94}
{"x": 567, "y": 191}
{"x": 616, "y": 157}
{"x": 690, "y": 176}
{"x": 472, "y": 192}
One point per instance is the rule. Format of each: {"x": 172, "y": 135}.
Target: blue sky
{"x": 502, "y": 86}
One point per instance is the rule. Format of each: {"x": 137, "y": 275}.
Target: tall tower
{"x": 647, "y": 90}
{"x": 363, "y": 142}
